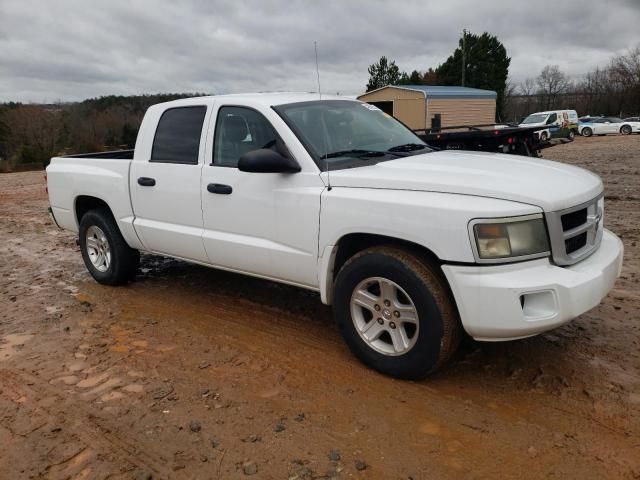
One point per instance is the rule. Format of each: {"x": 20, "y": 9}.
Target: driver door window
{"x": 240, "y": 130}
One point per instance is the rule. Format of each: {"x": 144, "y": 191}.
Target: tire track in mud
{"x": 89, "y": 446}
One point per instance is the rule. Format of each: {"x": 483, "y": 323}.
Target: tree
{"x": 430, "y": 77}
{"x": 551, "y": 83}
{"x": 486, "y": 65}
{"x": 382, "y": 74}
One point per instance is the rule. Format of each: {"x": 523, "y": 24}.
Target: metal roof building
{"x": 427, "y": 106}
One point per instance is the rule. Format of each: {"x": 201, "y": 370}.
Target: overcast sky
{"x": 64, "y": 50}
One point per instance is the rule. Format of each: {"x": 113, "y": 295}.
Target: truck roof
{"x": 265, "y": 98}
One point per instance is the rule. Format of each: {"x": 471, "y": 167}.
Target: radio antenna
{"x": 324, "y": 132}
{"x": 315, "y": 47}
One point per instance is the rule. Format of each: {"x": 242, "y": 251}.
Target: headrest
{"x": 235, "y": 128}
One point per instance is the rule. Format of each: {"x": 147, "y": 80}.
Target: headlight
{"x": 509, "y": 239}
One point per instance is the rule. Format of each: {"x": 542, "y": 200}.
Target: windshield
{"x": 535, "y": 118}
{"x": 346, "y": 134}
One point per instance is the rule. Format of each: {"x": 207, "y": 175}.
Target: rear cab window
{"x": 177, "y": 137}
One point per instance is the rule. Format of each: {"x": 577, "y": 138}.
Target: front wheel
{"x": 106, "y": 255}
{"x": 587, "y": 132}
{"x": 396, "y": 313}
{"x": 625, "y": 130}
{"x": 544, "y": 136}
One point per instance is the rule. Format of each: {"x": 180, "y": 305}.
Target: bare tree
{"x": 527, "y": 87}
{"x": 552, "y": 82}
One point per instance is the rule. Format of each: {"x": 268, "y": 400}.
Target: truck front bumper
{"x": 519, "y": 300}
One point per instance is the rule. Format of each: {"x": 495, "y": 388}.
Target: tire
{"x": 544, "y": 137}
{"x": 625, "y": 130}
{"x": 106, "y": 255}
{"x": 587, "y": 132}
{"x": 429, "y": 342}
{"x": 572, "y": 135}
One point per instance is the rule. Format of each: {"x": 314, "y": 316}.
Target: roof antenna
{"x": 324, "y": 139}
{"x": 315, "y": 47}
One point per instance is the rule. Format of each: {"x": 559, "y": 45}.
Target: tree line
{"x": 31, "y": 134}
{"x": 611, "y": 90}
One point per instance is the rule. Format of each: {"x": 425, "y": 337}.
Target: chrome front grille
{"x": 576, "y": 232}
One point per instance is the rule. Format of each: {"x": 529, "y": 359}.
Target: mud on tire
{"x": 420, "y": 283}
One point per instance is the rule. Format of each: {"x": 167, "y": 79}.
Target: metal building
{"x": 426, "y": 106}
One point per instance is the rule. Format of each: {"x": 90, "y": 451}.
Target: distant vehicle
{"x": 632, "y": 119}
{"x": 588, "y": 118}
{"x": 561, "y": 124}
{"x": 607, "y": 125}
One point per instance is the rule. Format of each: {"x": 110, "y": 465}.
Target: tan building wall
{"x": 411, "y": 112}
{"x": 408, "y": 105}
{"x": 462, "y": 111}
{"x": 411, "y": 108}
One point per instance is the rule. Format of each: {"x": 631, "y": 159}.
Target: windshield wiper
{"x": 355, "y": 153}
{"x": 408, "y": 147}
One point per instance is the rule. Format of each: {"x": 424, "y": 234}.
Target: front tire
{"x": 625, "y": 130}
{"x": 587, "y": 132}
{"x": 396, "y": 313}
{"x": 106, "y": 255}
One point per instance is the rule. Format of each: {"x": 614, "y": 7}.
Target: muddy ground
{"x": 194, "y": 373}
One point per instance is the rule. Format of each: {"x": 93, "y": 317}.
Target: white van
{"x": 561, "y": 123}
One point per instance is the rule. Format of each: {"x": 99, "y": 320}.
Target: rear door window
{"x": 177, "y": 138}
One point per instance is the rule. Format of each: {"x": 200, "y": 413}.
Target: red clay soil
{"x": 195, "y": 373}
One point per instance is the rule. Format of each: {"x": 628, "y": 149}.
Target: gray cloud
{"x": 74, "y": 49}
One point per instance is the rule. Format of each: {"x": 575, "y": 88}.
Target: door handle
{"x": 146, "y": 181}
{"x": 219, "y": 188}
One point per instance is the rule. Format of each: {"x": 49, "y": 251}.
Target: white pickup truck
{"x": 411, "y": 246}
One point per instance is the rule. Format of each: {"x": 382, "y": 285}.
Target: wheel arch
{"x": 84, "y": 203}
{"x": 349, "y": 244}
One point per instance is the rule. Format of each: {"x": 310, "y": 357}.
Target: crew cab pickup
{"x": 412, "y": 246}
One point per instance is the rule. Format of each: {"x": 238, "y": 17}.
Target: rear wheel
{"x": 396, "y": 313}
{"x": 105, "y": 253}
{"x": 587, "y": 132}
{"x": 572, "y": 134}
{"x": 625, "y": 130}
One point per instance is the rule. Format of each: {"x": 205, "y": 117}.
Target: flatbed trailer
{"x": 489, "y": 138}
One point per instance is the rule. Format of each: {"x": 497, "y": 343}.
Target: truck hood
{"x": 546, "y": 184}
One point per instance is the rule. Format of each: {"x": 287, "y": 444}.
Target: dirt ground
{"x": 194, "y": 373}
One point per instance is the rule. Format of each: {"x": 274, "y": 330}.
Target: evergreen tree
{"x": 486, "y": 66}
{"x": 382, "y": 74}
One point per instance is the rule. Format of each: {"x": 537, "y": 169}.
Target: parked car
{"x": 607, "y": 125}
{"x": 632, "y": 119}
{"x": 411, "y": 246}
{"x": 561, "y": 123}
{"x": 587, "y": 118}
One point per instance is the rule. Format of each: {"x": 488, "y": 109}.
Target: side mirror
{"x": 265, "y": 160}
